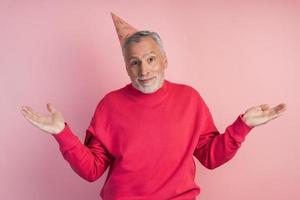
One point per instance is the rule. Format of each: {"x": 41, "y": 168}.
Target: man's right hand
{"x": 54, "y": 123}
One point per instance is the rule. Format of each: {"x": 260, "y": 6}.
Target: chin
{"x": 147, "y": 89}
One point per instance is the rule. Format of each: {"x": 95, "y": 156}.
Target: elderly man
{"x": 149, "y": 130}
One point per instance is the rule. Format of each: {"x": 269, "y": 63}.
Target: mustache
{"x": 145, "y": 78}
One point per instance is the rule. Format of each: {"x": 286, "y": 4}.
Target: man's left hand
{"x": 261, "y": 114}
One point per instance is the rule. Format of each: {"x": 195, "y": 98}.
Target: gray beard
{"x": 149, "y": 89}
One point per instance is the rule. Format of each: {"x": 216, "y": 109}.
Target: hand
{"x": 259, "y": 115}
{"x": 50, "y": 124}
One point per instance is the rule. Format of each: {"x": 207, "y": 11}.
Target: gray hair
{"x": 138, "y": 35}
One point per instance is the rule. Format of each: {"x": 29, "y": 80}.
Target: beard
{"x": 148, "y": 86}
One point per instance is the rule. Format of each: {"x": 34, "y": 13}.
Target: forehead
{"x": 145, "y": 46}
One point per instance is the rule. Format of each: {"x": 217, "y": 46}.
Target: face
{"x": 145, "y": 65}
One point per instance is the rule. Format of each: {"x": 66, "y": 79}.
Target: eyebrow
{"x": 151, "y": 52}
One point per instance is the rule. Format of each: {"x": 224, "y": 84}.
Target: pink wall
{"x": 236, "y": 54}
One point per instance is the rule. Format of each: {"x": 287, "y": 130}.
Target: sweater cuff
{"x": 240, "y": 129}
{"x": 66, "y": 139}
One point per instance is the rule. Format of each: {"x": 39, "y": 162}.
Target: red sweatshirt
{"x": 149, "y": 141}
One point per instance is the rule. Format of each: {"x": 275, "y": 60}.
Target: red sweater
{"x": 149, "y": 141}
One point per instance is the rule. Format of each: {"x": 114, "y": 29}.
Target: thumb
{"x": 264, "y": 107}
{"x": 51, "y": 108}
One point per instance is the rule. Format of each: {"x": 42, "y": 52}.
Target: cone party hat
{"x": 124, "y": 30}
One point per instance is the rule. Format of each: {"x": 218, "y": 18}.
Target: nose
{"x": 144, "y": 69}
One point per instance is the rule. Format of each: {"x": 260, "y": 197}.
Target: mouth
{"x": 143, "y": 81}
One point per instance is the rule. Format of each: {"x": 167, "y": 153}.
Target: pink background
{"x": 237, "y": 54}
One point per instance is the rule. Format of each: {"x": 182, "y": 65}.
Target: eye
{"x": 134, "y": 63}
{"x": 151, "y": 59}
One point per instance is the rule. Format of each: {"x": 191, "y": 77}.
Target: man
{"x": 149, "y": 130}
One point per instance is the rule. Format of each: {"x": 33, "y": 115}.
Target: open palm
{"x": 54, "y": 123}
{"x": 258, "y": 115}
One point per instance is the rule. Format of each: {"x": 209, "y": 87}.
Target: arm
{"x": 214, "y": 149}
{"x": 88, "y": 160}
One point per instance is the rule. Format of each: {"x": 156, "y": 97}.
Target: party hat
{"x": 124, "y": 30}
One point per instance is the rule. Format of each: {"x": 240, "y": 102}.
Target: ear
{"x": 125, "y": 63}
{"x": 127, "y": 69}
{"x": 165, "y": 59}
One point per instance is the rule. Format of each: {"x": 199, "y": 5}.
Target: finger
{"x": 51, "y": 108}
{"x": 275, "y": 116}
{"x": 264, "y": 107}
{"x": 25, "y": 111}
{"x": 31, "y": 116}
{"x": 31, "y": 111}
{"x": 277, "y": 110}
{"x": 282, "y": 106}
{"x": 30, "y": 119}
{"x": 34, "y": 112}
{"x": 33, "y": 122}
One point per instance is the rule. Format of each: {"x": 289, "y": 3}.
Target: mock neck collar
{"x": 149, "y": 98}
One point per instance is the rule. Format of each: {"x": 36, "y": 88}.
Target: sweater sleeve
{"x": 90, "y": 159}
{"x": 213, "y": 148}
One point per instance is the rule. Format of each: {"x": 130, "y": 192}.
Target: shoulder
{"x": 108, "y": 98}
{"x": 184, "y": 89}
{"x": 115, "y": 94}
{"x": 189, "y": 93}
